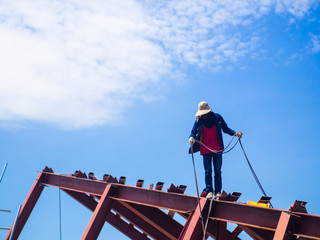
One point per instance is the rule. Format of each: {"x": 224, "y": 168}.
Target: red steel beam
{"x": 212, "y": 231}
{"x": 193, "y": 227}
{"x": 127, "y": 229}
{"x": 115, "y": 220}
{"x": 157, "y": 218}
{"x": 27, "y": 207}
{"x": 83, "y": 198}
{"x": 258, "y": 233}
{"x": 237, "y": 230}
{"x": 150, "y": 220}
{"x": 99, "y": 215}
{"x": 136, "y": 220}
{"x": 221, "y": 230}
{"x": 282, "y": 226}
{"x": 172, "y": 201}
{"x": 307, "y": 225}
{"x": 244, "y": 214}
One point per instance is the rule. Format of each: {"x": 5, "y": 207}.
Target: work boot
{"x": 218, "y": 195}
{"x": 209, "y": 195}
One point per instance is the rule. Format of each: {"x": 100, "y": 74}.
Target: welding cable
{"x": 223, "y": 151}
{"x": 205, "y": 225}
{"x": 207, "y": 221}
{"x": 253, "y": 173}
{"x": 198, "y": 197}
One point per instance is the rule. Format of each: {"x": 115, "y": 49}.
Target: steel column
{"x": 99, "y": 215}
{"x": 282, "y": 226}
{"x": 27, "y": 207}
{"x": 221, "y": 230}
{"x": 193, "y": 227}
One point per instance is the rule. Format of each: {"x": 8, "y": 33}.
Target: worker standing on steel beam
{"x": 207, "y": 130}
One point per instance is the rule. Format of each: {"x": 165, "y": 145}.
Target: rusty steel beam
{"x": 193, "y": 227}
{"x": 99, "y": 215}
{"x": 27, "y": 207}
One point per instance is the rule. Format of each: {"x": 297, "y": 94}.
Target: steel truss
{"x": 137, "y": 212}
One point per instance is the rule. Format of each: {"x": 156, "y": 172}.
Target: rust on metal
{"x": 298, "y": 206}
{"x": 122, "y": 180}
{"x": 159, "y": 186}
{"x": 230, "y": 197}
{"x": 140, "y": 183}
{"x": 109, "y": 178}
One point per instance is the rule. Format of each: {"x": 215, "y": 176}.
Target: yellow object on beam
{"x": 267, "y": 205}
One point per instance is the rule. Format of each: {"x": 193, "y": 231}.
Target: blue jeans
{"x": 216, "y": 159}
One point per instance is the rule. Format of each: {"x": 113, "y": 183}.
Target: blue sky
{"x": 113, "y": 87}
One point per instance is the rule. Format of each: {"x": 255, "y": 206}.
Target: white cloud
{"x": 79, "y": 64}
{"x": 73, "y": 64}
{"x": 315, "y": 43}
{"x": 297, "y": 8}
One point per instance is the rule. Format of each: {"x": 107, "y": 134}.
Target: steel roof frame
{"x": 136, "y": 212}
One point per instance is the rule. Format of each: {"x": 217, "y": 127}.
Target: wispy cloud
{"x": 74, "y": 64}
{"x": 79, "y": 64}
{"x": 315, "y": 44}
{"x": 297, "y": 8}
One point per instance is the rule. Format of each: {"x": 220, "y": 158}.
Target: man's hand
{"x": 192, "y": 141}
{"x": 239, "y": 134}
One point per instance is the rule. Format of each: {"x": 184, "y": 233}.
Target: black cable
{"x": 253, "y": 173}
{"x": 195, "y": 177}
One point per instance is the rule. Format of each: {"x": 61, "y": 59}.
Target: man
{"x": 207, "y": 129}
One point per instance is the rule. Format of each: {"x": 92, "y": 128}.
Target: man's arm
{"x": 195, "y": 130}
{"x": 194, "y": 135}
